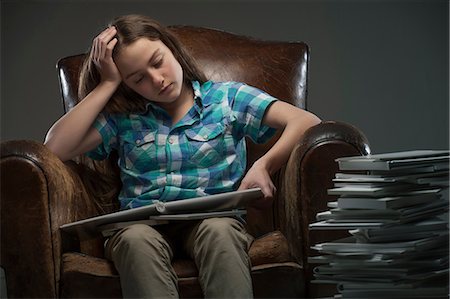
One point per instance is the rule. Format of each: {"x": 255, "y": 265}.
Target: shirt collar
{"x": 199, "y": 93}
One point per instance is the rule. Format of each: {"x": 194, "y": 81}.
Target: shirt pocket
{"x": 139, "y": 150}
{"x": 206, "y": 144}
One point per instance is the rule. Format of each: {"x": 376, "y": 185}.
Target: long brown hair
{"x": 129, "y": 29}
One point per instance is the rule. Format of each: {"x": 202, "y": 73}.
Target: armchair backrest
{"x": 279, "y": 68}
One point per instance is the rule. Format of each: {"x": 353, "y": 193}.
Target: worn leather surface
{"x": 39, "y": 192}
{"x": 308, "y": 176}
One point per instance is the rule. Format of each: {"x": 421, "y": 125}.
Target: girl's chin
{"x": 164, "y": 101}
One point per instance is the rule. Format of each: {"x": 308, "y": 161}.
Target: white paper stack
{"x": 395, "y": 207}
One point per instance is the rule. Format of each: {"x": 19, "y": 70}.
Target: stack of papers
{"x": 395, "y": 207}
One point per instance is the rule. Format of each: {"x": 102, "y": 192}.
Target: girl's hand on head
{"x": 101, "y": 55}
{"x": 259, "y": 177}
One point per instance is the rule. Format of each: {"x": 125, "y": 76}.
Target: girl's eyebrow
{"x": 157, "y": 51}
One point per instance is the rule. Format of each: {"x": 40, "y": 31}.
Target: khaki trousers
{"x": 219, "y": 246}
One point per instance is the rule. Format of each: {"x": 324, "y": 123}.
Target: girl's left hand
{"x": 259, "y": 177}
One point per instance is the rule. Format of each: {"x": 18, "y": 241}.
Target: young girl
{"x": 178, "y": 136}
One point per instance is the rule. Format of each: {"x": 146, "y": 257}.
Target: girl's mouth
{"x": 165, "y": 89}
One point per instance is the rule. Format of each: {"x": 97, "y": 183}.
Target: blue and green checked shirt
{"x": 204, "y": 153}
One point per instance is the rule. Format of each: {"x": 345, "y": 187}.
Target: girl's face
{"x": 150, "y": 69}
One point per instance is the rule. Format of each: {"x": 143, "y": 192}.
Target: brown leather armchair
{"x": 39, "y": 192}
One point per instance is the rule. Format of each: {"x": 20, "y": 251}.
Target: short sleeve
{"x": 106, "y": 125}
{"x": 249, "y": 105}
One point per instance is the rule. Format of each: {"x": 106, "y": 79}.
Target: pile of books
{"x": 395, "y": 208}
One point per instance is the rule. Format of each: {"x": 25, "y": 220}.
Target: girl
{"x": 177, "y": 136}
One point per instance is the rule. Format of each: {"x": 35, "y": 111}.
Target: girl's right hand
{"x": 101, "y": 55}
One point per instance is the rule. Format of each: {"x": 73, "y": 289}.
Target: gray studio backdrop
{"x": 379, "y": 65}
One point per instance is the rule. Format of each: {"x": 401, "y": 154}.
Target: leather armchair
{"x": 39, "y": 192}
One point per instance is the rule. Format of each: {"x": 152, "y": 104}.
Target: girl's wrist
{"x": 111, "y": 86}
{"x": 264, "y": 164}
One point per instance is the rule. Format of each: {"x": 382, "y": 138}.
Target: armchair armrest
{"x": 39, "y": 193}
{"x": 307, "y": 177}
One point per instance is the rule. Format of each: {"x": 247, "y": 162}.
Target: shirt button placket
{"x": 170, "y": 141}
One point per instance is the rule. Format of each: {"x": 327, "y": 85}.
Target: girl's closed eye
{"x": 139, "y": 79}
{"x": 158, "y": 62}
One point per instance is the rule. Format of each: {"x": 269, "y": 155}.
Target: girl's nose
{"x": 156, "y": 77}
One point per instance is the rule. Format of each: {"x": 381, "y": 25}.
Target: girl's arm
{"x": 294, "y": 122}
{"x": 73, "y": 133}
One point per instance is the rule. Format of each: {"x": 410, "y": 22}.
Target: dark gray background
{"x": 379, "y": 65}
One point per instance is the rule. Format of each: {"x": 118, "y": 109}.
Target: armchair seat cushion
{"x": 82, "y": 274}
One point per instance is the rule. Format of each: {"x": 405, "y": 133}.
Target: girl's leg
{"x": 219, "y": 248}
{"x": 143, "y": 259}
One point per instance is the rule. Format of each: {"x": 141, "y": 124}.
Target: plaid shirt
{"x": 204, "y": 153}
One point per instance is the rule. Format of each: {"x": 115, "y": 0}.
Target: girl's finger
{"x": 267, "y": 191}
{"x": 110, "y": 47}
{"x": 101, "y": 41}
{"x": 105, "y": 32}
{"x": 110, "y": 32}
{"x": 106, "y": 36}
{"x": 101, "y": 50}
{"x": 94, "y": 52}
{"x": 106, "y": 41}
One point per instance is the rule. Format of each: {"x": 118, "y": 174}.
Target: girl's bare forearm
{"x": 68, "y": 133}
{"x": 294, "y": 123}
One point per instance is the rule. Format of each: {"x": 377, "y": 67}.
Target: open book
{"x": 186, "y": 209}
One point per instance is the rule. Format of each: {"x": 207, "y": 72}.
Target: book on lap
{"x": 229, "y": 203}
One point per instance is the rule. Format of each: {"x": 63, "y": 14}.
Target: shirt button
{"x": 138, "y": 141}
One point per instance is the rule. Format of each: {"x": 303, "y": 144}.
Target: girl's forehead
{"x": 141, "y": 48}
{"x": 142, "y": 44}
